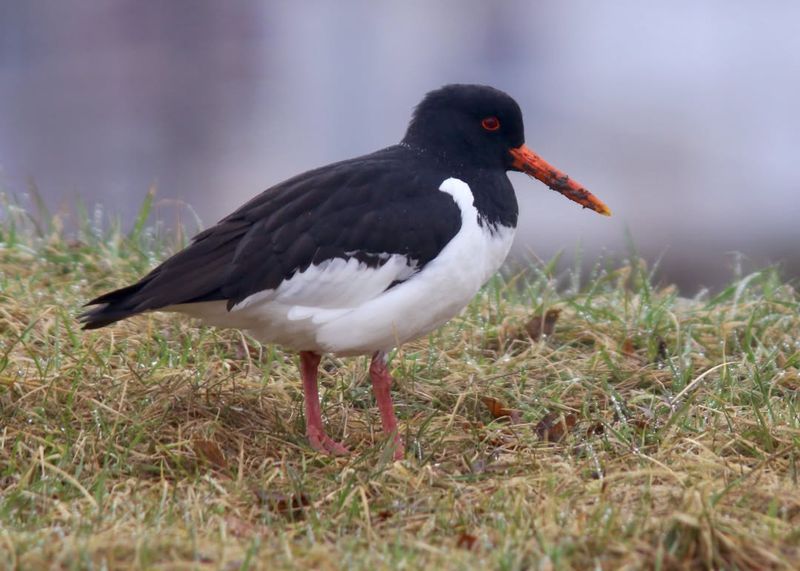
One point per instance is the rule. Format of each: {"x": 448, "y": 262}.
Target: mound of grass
{"x": 631, "y": 429}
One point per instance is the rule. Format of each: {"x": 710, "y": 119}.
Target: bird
{"x": 363, "y": 255}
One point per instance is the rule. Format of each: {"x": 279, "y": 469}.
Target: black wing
{"x": 379, "y": 204}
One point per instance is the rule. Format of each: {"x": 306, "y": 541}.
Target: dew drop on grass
{"x": 96, "y": 418}
{"x": 97, "y": 221}
{"x": 618, "y": 409}
{"x": 598, "y": 468}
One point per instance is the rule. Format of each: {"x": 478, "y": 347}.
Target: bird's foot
{"x": 321, "y": 442}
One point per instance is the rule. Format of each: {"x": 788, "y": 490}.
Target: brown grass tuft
{"x": 158, "y": 444}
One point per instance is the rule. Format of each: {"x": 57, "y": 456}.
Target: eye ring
{"x": 491, "y": 123}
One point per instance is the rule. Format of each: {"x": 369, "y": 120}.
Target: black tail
{"x": 161, "y": 288}
{"x": 113, "y": 306}
{"x": 195, "y": 274}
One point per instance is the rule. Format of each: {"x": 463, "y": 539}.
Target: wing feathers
{"x": 365, "y": 209}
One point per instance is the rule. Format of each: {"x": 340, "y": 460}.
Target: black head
{"x": 477, "y": 126}
{"x": 468, "y": 124}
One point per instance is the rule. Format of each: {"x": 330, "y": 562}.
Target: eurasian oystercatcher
{"x": 362, "y": 255}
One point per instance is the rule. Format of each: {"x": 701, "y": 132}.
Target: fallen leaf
{"x": 498, "y": 410}
{"x": 628, "y": 347}
{"x": 291, "y": 504}
{"x": 554, "y": 426}
{"x": 209, "y": 451}
{"x": 466, "y": 541}
{"x": 539, "y": 326}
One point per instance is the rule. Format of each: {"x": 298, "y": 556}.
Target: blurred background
{"x": 683, "y": 117}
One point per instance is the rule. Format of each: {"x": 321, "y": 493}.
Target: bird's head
{"x": 482, "y": 127}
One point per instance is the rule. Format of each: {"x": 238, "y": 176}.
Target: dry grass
{"x": 672, "y": 441}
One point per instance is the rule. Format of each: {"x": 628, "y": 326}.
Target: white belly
{"x": 365, "y": 316}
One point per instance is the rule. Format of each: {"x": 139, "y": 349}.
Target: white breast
{"x": 343, "y": 306}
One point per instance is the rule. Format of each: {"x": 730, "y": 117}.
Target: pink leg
{"x": 309, "y": 362}
{"x": 381, "y": 384}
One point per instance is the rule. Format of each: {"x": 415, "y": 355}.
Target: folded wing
{"x": 307, "y": 240}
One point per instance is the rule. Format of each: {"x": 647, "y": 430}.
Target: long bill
{"x": 525, "y": 160}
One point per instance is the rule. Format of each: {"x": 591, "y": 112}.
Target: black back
{"x": 384, "y": 203}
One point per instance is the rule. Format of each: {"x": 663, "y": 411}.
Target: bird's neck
{"x": 493, "y": 194}
{"x": 495, "y": 199}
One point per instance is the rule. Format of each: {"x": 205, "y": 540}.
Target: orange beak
{"x": 525, "y": 160}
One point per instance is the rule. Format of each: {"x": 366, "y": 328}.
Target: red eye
{"x": 491, "y": 123}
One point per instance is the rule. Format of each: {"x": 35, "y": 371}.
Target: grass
{"x": 645, "y": 431}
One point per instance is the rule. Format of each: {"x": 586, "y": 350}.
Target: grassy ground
{"x": 644, "y": 431}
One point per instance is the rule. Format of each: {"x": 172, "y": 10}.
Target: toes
{"x": 336, "y": 448}
{"x": 325, "y": 444}
{"x": 333, "y": 447}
